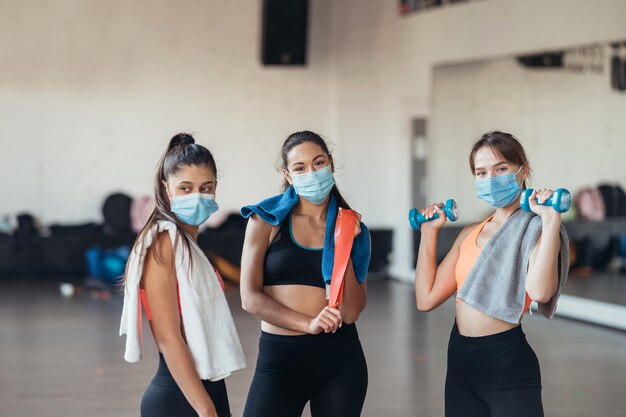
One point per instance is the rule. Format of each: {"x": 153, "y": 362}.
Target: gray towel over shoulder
{"x": 496, "y": 284}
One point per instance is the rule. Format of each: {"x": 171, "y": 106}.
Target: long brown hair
{"x": 298, "y": 138}
{"x": 182, "y": 151}
{"x": 505, "y": 144}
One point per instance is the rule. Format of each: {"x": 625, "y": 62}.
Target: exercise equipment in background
{"x": 107, "y": 264}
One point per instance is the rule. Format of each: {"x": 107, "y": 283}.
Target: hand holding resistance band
{"x": 561, "y": 200}
{"x": 344, "y": 236}
{"x": 450, "y": 208}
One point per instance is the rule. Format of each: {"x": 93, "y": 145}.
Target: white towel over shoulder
{"x": 209, "y": 328}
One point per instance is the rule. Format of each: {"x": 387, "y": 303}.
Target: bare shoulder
{"x": 464, "y": 233}
{"x": 158, "y": 268}
{"x": 467, "y": 230}
{"x": 257, "y": 228}
{"x": 256, "y": 223}
{"x": 162, "y": 251}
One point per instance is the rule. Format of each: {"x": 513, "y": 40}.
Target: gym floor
{"x": 62, "y": 356}
{"x": 601, "y": 286}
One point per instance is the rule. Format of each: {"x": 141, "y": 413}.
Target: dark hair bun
{"x": 181, "y": 139}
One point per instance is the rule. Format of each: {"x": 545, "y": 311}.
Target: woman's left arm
{"x": 542, "y": 278}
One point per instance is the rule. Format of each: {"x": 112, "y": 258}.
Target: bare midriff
{"x": 474, "y": 323}
{"x": 304, "y": 299}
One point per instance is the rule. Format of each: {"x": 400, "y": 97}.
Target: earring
{"x": 287, "y": 175}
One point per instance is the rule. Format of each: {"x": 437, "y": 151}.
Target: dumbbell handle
{"x": 560, "y": 200}
{"x": 416, "y": 218}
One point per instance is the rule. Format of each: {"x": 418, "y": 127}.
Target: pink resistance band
{"x": 344, "y": 236}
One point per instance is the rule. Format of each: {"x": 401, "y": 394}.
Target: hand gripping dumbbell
{"x": 561, "y": 200}
{"x": 416, "y": 218}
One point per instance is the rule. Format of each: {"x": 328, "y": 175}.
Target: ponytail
{"x": 181, "y": 151}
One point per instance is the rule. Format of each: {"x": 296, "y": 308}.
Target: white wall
{"x": 91, "y": 92}
{"x": 572, "y": 124}
{"x": 383, "y": 75}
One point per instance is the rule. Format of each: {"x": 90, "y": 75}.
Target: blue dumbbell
{"x": 451, "y": 209}
{"x": 561, "y": 200}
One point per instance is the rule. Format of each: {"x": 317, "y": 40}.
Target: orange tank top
{"x": 468, "y": 254}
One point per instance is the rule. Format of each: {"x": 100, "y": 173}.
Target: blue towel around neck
{"x": 275, "y": 209}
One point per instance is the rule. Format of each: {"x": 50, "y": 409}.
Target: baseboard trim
{"x": 592, "y": 311}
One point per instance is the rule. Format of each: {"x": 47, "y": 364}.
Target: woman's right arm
{"x": 159, "y": 281}
{"x": 257, "y": 303}
{"x": 434, "y": 285}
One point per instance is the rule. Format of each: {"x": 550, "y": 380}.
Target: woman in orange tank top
{"x": 492, "y": 371}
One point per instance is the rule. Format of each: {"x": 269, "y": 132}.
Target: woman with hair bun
{"x": 170, "y": 279}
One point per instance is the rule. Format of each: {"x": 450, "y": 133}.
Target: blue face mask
{"x": 499, "y": 191}
{"x": 194, "y": 209}
{"x": 314, "y": 186}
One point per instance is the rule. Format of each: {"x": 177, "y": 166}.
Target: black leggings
{"x": 492, "y": 376}
{"x": 163, "y": 398}
{"x": 329, "y": 370}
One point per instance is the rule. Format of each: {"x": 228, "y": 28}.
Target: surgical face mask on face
{"x": 194, "y": 209}
{"x": 499, "y": 191}
{"x": 314, "y": 186}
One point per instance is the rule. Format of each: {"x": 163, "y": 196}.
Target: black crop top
{"x": 289, "y": 263}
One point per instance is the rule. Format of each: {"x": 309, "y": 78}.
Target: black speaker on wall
{"x": 546, "y": 60}
{"x": 618, "y": 69}
{"x": 284, "y": 32}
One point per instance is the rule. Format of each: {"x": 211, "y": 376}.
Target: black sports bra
{"x": 289, "y": 263}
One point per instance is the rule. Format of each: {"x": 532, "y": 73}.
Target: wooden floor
{"x": 62, "y": 357}
{"x": 601, "y": 286}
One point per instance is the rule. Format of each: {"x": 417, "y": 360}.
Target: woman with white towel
{"x": 169, "y": 277}
{"x": 496, "y": 268}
